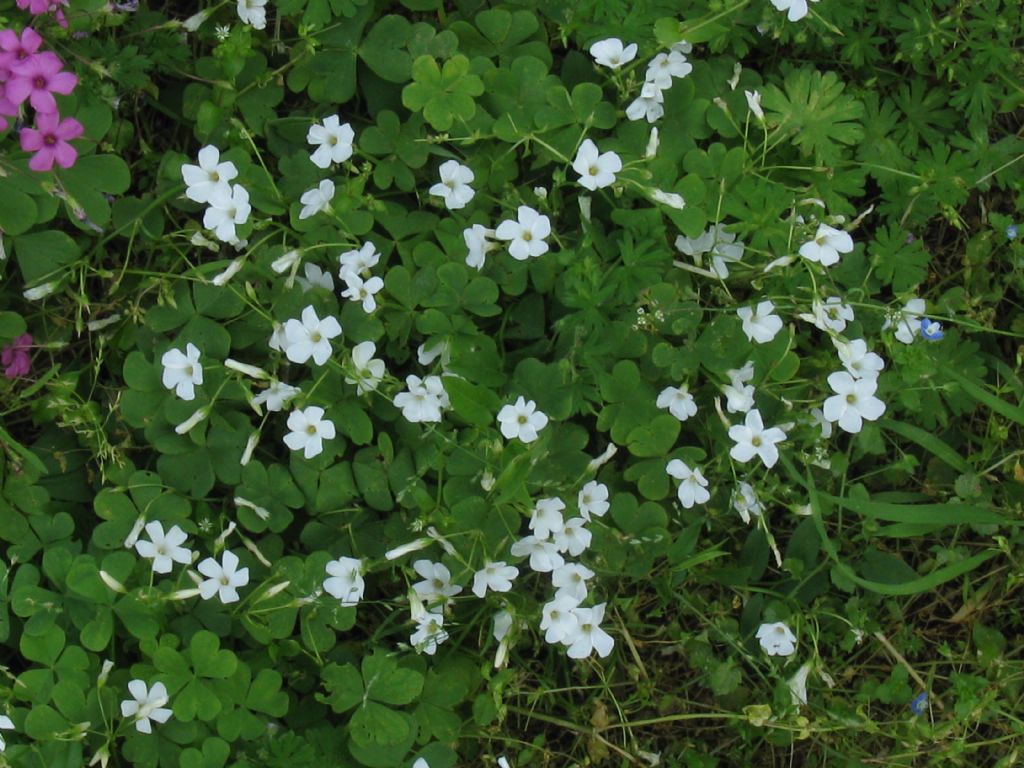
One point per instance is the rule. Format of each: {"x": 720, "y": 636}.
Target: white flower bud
{"x": 228, "y": 273}
{"x": 283, "y": 263}
{"x": 40, "y": 291}
{"x": 113, "y": 583}
{"x": 603, "y": 459}
{"x": 250, "y": 446}
{"x": 249, "y": 370}
{"x": 652, "y": 144}
{"x": 188, "y": 424}
{"x": 404, "y": 549}
{"x": 192, "y": 23}
{"x": 133, "y": 535}
{"x": 261, "y": 513}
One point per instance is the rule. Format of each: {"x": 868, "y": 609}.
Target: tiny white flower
{"x": 649, "y": 105}
{"x": 827, "y": 246}
{"x": 571, "y": 579}
{"x": 429, "y": 633}
{"x": 315, "y": 278}
{"x": 596, "y": 169}
{"x": 589, "y": 636}
{"x": 276, "y": 396}
{"x": 496, "y": 577}
{"x": 720, "y": 244}
{"x": 678, "y": 401}
{"x": 907, "y": 320}
{"x": 797, "y": 9}
{"x": 818, "y": 419}
{"x": 229, "y": 206}
{"x": 404, "y": 549}
{"x": 454, "y": 185}
{"x": 421, "y": 402}
{"x": 345, "y": 580}
{"x": 547, "y": 517}
{"x": 611, "y": 53}
{"x": 777, "y": 639}
{"x": 164, "y": 549}
{"x": 544, "y": 555}
{"x": 316, "y": 199}
{"x": 739, "y": 394}
{"x": 210, "y": 174}
{"x": 182, "y": 372}
{"x": 477, "y": 242}
{"x": 593, "y": 500}
{"x": 310, "y": 337}
{"x": 146, "y": 704}
{"x": 369, "y": 372}
{"x": 754, "y": 102}
{"x": 358, "y": 262}
{"x": 309, "y": 429}
{"x": 521, "y": 420}
{"x": 333, "y": 141}
{"x": 558, "y": 620}
{"x": 253, "y": 13}
{"x": 746, "y": 503}
{"x": 525, "y": 236}
{"x": 574, "y": 538}
{"x": 857, "y": 360}
{"x": 363, "y": 291}
{"x": 853, "y": 402}
{"x": 437, "y": 581}
{"x": 666, "y": 66}
{"x": 759, "y": 324}
{"x": 833, "y": 315}
{"x": 222, "y": 579}
{"x": 752, "y": 439}
{"x": 693, "y": 487}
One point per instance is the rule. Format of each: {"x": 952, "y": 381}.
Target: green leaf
{"x": 18, "y": 212}
{"x": 475, "y": 404}
{"x": 388, "y": 683}
{"x": 655, "y": 438}
{"x": 374, "y": 724}
{"x": 43, "y": 255}
{"x": 345, "y": 687}
{"x": 208, "y": 659}
{"x": 442, "y": 94}
{"x": 383, "y": 49}
{"x": 265, "y": 694}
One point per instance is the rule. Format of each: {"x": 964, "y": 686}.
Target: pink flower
{"x": 15, "y": 50}
{"x": 36, "y": 7}
{"x": 37, "y": 79}
{"x": 7, "y": 108}
{"x": 49, "y": 140}
{"x": 15, "y": 357}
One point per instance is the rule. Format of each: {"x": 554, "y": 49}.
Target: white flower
{"x": 333, "y": 141}
{"x": 574, "y": 537}
{"x": 522, "y": 420}
{"x": 429, "y": 633}
{"x": 437, "y": 581}
{"x": 611, "y": 53}
{"x": 286, "y": 261}
{"x": 666, "y": 66}
{"x": 309, "y": 429}
{"x": 546, "y": 517}
{"x": 857, "y": 360}
{"x": 429, "y": 351}
{"x": 37, "y": 292}
{"x": 558, "y": 620}
{"x": 316, "y": 199}
{"x": 8, "y": 724}
{"x": 420, "y": 763}
{"x": 596, "y": 170}
{"x": 853, "y": 402}
{"x": 679, "y": 401}
{"x": 670, "y": 199}
{"x": 754, "y": 102}
{"x": 496, "y": 577}
{"x": 827, "y": 245}
{"x": 232, "y": 269}
{"x": 454, "y": 185}
{"x": 209, "y": 175}
{"x": 907, "y": 320}
{"x": 422, "y": 402}
{"x": 797, "y": 8}
{"x": 649, "y": 105}
{"x": 182, "y": 372}
{"x": 544, "y": 556}
{"x": 403, "y": 549}
{"x": 593, "y": 500}
{"x": 229, "y": 205}
{"x": 720, "y": 244}
{"x": 369, "y": 372}
{"x": 315, "y": 278}
{"x": 759, "y": 324}
{"x": 192, "y": 421}
{"x": 525, "y": 236}
{"x": 833, "y": 315}
{"x": 253, "y": 13}
{"x": 571, "y": 579}
{"x": 693, "y": 488}
{"x": 798, "y": 684}
{"x": 478, "y": 245}
{"x": 358, "y": 262}
{"x": 363, "y": 291}
{"x": 777, "y": 639}
{"x": 745, "y": 502}
{"x": 222, "y": 579}
{"x": 276, "y": 396}
{"x": 345, "y": 580}
{"x": 739, "y": 394}
{"x": 653, "y": 140}
{"x": 147, "y": 704}
{"x": 819, "y": 420}
{"x": 752, "y": 439}
{"x": 589, "y": 636}
{"x": 310, "y": 337}
{"x": 164, "y": 549}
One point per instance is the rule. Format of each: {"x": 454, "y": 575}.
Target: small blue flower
{"x": 931, "y": 330}
{"x": 1011, "y": 232}
{"x": 920, "y": 704}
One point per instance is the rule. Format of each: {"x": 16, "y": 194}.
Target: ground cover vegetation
{"x": 522, "y": 383}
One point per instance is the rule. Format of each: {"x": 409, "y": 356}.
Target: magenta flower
{"x": 49, "y": 140}
{"x": 15, "y": 50}
{"x": 36, "y": 7}
{"x": 7, "y": 108}
{"x": 15, "y": 357}
{"x": 37, "y": 78}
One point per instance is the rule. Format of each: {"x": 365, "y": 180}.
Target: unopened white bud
{"x": 603, "y": 459}
{"x": 228, "y": 273}
{"x": 101, "y": 679}
{"x": 224, "y": 535}
{"x": 188, "y": 424}
{"x": 584, "y": 201}
{"x": 192, "y": 23}
{"x": 283, "y": 263}
{"x": 652, "y": 144}
{"x": 250, "y": 446}
{"x": 40, "y": 291}
{"x": 133, "y": 535}
{"x": 261, "y": 513}
{"x": 669, "y": 198}
{"x": 404, "y": 549}
{"x": 98, "y": 325}
{"x": 249, "y": 370}
{"x": 185, "y": 594}
{"x": 274, "y": 590}
{"x": 113, "y": 583}
{"x": 445, "y": 545}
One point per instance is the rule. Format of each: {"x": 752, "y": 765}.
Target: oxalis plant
{"x": 521, "y": 384}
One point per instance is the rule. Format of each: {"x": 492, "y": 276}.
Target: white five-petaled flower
{"x": 164, "y": 549}
{"x": 358, "y": 262}
{"x": 309, "y": 429}
{"x": 315, "y": 278}
{"x": 368, "y": 371}
{"x": 589, "y": 636}
{"x": 720, "y": 244}
{"x": 777, "y": 639}
{"x": 477, "y": 242}
{"x": 679, "y": 401}
{"x": 649, "y": 105}
{"x": 429, "y": 633}
{"x": 853, "y": 402}
{"x": 543, "y": 554}
{"x": 739, "y": 394}
{"x": 363, "y": 291}
{"x": 596, "y": 169}
{"x": 229, "y": 206}
{"x": 752, "y": 439}
{"x": 437, "y": 581}
{"x": 182, "y": 372}
{"x": 454, "y": 185}
{"x": 333, "y": 141}
{"x": 827, "y": 246}
{"x": 496, "y": 577}
{"x": 759, "y": 324}
{"x": 907, "y": 320}
{"x": 345, "y": 580}
{"x": 316, "y": 199}
{"x": 833, "y": 315}
{"x": 276, "y": 396}
{"x": 253, "y": 13}
{"x": 857, "y": 360}
{"x": 574, "y": 537}
{"x": 754, "y": 102}
{"x": 209, "y": 175}
{"x": 571, "y": 579}
{"x": 797, "y": 9}
{"x": 593, "y": 500}
{"x": 745, "y": 502}
{"x": 146, "y": 704}
{"x": 521, "y": 420}
{"x": 424, "y": 399}
{"x": 310, "y": 337}
{"x": 222, "y": 579}
{"x": 525, "y": 236}
{"x": 611, "y": 53}
{"x": 666, "y": 66}
{"x": 547, "y": 517}
{"x": 558, "y": 620}
{"x": 693, "y": 487}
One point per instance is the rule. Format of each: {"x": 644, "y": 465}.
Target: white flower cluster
{"x": 360, "y": 285}
{"x": 854, "y": 400}
{"x": 716, "y": 241}
{"x": 210, "y": 183}
{"x": 661, "y": 70}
